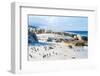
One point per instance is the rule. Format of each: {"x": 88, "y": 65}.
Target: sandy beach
{"x": 57, "y": 38}
{"x": 54, "y": 51}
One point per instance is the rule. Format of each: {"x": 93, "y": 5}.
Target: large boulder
{"x": 32, "y": 37}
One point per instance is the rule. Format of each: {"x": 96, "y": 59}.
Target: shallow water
{"x": 39, "y": 43}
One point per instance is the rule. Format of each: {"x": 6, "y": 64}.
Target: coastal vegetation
{"x": 80, "y": 44}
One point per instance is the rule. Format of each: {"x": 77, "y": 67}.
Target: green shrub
{"x": 80, "y": 44}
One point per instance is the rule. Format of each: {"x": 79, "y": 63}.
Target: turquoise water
{"x": 39, "y": 43}
{"x": 83, "y": 33}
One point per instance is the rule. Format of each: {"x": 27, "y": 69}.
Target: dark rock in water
{"x": 85, "y": 38}
{"x": 32, "y": 37}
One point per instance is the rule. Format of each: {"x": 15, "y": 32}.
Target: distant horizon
{"x": 59, "y": 23}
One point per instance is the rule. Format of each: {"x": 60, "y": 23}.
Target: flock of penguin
{"x": 47, "y": 51}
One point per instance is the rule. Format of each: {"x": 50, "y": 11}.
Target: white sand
{"x": 56, "y": 50}
{"x": 59, "y": 51}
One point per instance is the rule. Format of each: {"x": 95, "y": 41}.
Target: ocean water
{"x": 82, "y": 33}
{"x": 38, "y": 43}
